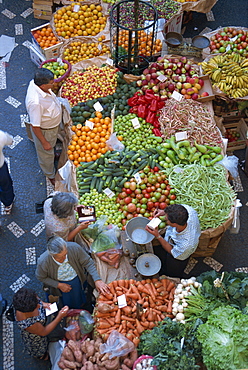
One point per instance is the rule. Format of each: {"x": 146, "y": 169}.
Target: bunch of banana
{"x": 228, "y": 72}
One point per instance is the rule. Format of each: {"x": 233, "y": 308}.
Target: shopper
{"x": 6, "y": 184}
{"x": 60, "y": 218}
{"x": 31, "y": 319}
{"x": 45, "y": 115}
{"x": 64, "y": 268}
{"x": 180, "y": 240}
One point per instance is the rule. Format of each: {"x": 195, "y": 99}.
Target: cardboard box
{"x": 241, "y": 127}
{"x": 42, "y": 7}
{"x": 35, "y": 56}
{"x": 42, "y": 14}
{"x": 208, "y": 88}
{"x": 52, "y": 51}
{"x": 174, "y": 24}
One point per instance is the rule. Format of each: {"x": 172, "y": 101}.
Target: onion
{"x": 180, "y": 316}
{"x": 180, "y": 308}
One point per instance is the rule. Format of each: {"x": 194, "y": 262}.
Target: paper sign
{"x": 154, "y": 223}
{"x": 108, "y": 192}
{"x": 122, "y": 302}
{"x": 135, "y": 122}
{"x": 228, "y": 47}
{"x": 162, "y": 78}
{"x": 181, "y": 135}
{"x": 89, "y": 124}
{"x": 97, "y": 106}
{"x": 53, "y": 308}
{"x": 76, "y": 8}
{"x": 234, "y": 38}
{"x": 177, "y": 96}
{"x": 182, "y": 342}
{"x": 110, "y": 61}
{"x": 137, "y": 178}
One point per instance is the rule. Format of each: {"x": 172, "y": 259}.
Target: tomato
{"x": 128, "y": 191}
{"x": 168, "y": 187}
{"x": 155, "y": 169}
{"x": 243, "y": 37}
{"x": 147, "y": 196}
{"x": 172, "y": 196}
{"x": 149, "y": 205}
{"x": 162, "y": 205}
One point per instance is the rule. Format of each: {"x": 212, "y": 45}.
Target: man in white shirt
{"x": 6, "y": 185}
{"x": 45, "y": 115}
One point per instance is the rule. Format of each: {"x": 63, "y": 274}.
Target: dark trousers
{"x": 170, "y": 266}
{"x": 6, "y": 186}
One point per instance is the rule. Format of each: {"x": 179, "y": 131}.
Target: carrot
{"x": 121, "y": 283}
{"x": 150, "y": 315}
{"x": 120, "y": 328}
{"x": 145, "y": 304}
{"x": 123, "y": 317}
{"x": 135, "y": 290}
{"x": 162, "y": 308}
{"x": 115, "y": 283}
{"x": 134, "y": 296}
{"x": 130, "y": 336}
{"x": 130, "y": 325}
{"x": 171, "y": 316}
{"x": 164, "y": 283}
{"x": 135, "y": 332}
{"x": 151, "y": 325}
{"x": 132, "y": 281}
{"x": 141, "y": 288}
{"x": 124, "y": 324}
{"x": 145, "y": 324}
{"x": 118, "y": 316}
{"x": 127, "y": 310}
{"x": 143, "y": 282}
{"x": 141, "y": 301}
{"x": 134, "y": 308}
{"x": 169, "y": 307}
{"x": 153, "y": 289}
{"x": 171, "y": 295}
{"x": 154, "y": 280}
{"x": 110, "y": 321}
{"x": 151, "y": 302}
{"x": 170, "y": 286}
{"x": 158, "y": 284}
{"x": 136, "y": 341}
{"x": 112, "y": 289}
{"x": 103, "y": 325}
{"x": 127, "y": 282}
{"x": 150, "y": 291}
{"x": 160, "y": 289}
{"x": 102, "y": 331}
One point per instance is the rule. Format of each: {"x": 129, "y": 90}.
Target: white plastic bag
{"x": 234, "y": 229}
{"x": 113, "y": 143}
{"x": 231, "y": 164}
{"x": 117, "y": 345}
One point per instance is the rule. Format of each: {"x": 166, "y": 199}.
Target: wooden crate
{"x": 207, "y": 87}
{"x": 42, "y": 14}
{"x": 241, "y": 127}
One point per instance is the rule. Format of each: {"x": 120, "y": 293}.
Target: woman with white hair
{"x": 60, "y": 218}
{"x": 64, "y": 267}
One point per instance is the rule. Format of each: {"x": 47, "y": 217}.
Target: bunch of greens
{"x": 235, "y": 286}
{"x": 173, "y": 345}
{"x": 224, "y": 339}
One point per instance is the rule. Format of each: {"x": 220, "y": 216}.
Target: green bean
{"x": 206, "y": 190}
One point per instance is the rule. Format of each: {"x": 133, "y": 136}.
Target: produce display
{"x": 143, "y": 198}
{"x": 92, "y": 82}
{"x": 89, "y": 144}
{"x": 45, "y": 37}
{"x": 229, "y": 40}
{"x": 192, "y": 117}
{"x": 232, "y": 135}
{"x": 87, "y": 21}
{"x": 206, "y": 190}
{"x": 172, "y": 74}
{"x": 229, "y": 73}
{"x": 155, "y": 300}
{"x": 58, "y": 69}
{"x": 182, "y": 296}
{"x": 77, "y": 50}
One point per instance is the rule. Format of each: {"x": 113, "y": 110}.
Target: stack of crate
{"x": 43, "y": 9}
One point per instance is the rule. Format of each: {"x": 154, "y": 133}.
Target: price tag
{"x": 182, "y": 342}
{"x": 108, "y": 192}
{"x": 228, "y": 47}
{"x": 99, "y": 46}
{"x": 137, "y": 178}
{"x": 135, "y": 122}
{"x": 122, "y": 302}
{"x": 234, "y": 38}
{"x": 60, "y": 61}
{"x": 162, "y": 78}
{"x": 76, "y": 8}
{"x": 177, "y": 96}
{"x": 89, "y": 124}
{"x": 181, "y": 135}
{"x": 98, "y": 107}
{"x": 110, "y": 62}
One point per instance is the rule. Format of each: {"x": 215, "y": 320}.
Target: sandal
{"x": 8, "y": 209}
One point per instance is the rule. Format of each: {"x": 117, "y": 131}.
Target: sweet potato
{"x": 90, "y": 348}
{"x": 72, "y": 345}
{"x": 125, "y": 367}
{"x": 61, "y": 363}
{"x": 112, "y": 364}
{"x": 83, "y": 346}
{"x": 89, "y": 365}
{"x": 68, "y": 354}
{"x": 130, "y": 361}
{"x": 70, "y": 364}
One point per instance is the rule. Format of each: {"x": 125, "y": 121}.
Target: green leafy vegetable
{"x": 224, "y": 339}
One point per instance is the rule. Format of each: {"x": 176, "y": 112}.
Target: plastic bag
{"x": 117, "y": 345}
{"x": 114, "y": 144}
{"x": 234, "y": 229}
{"x": 231, "y": 164}
{"x": 86, "y": 322}
{"x": 73, "y": 330}
{"x": 96, "y": 228}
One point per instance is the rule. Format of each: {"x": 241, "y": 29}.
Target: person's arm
{"x": 41, "y": 330}
{"x": 38, "y": 133}
{"x": 167, "y": 246}
{"x": 74, "y": 232}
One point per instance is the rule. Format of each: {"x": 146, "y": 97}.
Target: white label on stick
{"x": 99, "y": 46}
{"x": 76, "y": 8}
{"x": 137, "y": 178}
{"x": 228, "y": 47}
{"x": 97, "y": 106}
{"x": 122, "y": 302}
{"x": 162, "y": 78}
{"x": 234, "y": 38}
{"x": 135, "y": 122}
{"x": 110, "y": 61}
{"x": 109, "y": 192}
{"x": 181, "y": 135}
{"x": 89, "y": 124}
{"x": 177, "y": 96}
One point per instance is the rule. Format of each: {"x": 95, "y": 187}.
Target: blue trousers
{"x": 76, "y": 297}
{"x": 6, "y": 186}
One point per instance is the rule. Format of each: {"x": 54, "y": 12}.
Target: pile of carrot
{"x": 153, "y": 295}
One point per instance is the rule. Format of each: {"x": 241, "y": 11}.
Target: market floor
{"x": 22, "y": 236}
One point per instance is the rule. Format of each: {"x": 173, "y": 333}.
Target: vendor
{"x": 180, "y": 240}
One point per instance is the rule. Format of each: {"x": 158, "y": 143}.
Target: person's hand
{"x": 102, "y": 287}
{"x": 63, "y": 312}
{"x": 46, "y": 305}
{"x": 152, "y": 231}
{"x": 158, "y": 212}
{"x": 46, "y": 145}
{"x": 84, "y": 225}
{"x": 65, "y": 288}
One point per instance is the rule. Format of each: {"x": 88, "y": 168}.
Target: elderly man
{"x": 64, "y": 268}
{"x": 181, "y": 238}
{"x": 45, "y": 115}
{"x": 6, "y": 184}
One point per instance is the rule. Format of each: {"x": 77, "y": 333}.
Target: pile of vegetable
{"x": 148, "y": 303}
{"x": 174, "y": 345}
{"x": 192, "y": 117}
{"x": 206, "y": 190}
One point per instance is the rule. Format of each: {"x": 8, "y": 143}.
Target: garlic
{"x": 139, "y": 366}
{"x": 180, "y": 308}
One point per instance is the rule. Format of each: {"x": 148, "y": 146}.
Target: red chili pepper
{"x": 142, "y": 111}
{"x": 142, "y": 100}
{"x": 161, "y": 104}
{"x": 154, "y": 105}
{"x": 156, "y": 124}
{"x": 133, "y": 101}
{"x": 156, "y": 132}
{"x": 134, "y": 109}
{"x": 151, "y": 117}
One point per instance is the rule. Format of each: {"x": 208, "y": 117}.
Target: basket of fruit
{"x": 61, "y": 70}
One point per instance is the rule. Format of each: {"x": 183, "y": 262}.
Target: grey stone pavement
{"x": 22, "y": 237}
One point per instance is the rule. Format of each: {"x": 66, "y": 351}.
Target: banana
{"x": 244, "y": 63}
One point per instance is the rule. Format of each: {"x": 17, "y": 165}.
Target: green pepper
{"x": 173, "y": 143}
{"x": 212, "y": 154}
{"x": 215, "y": 149}
{"x": 161, "y": 153}
{"x": 172, "y": 156}
{"x": 183, "y": 143}
{"x": 191, "y": 149}
{"x": 202, "y": 160}
{"x": 182, "y": 153}
{"x": 216, "y": 159}
{"x": 195, "y": 157}
{"x": 201, "y": 148}
{"x": 166, "y": 145}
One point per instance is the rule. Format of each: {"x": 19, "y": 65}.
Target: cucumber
{"x": 108, "y": 180}
{"x": 99, "y": 188}
{"x": 93, "y": 183}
